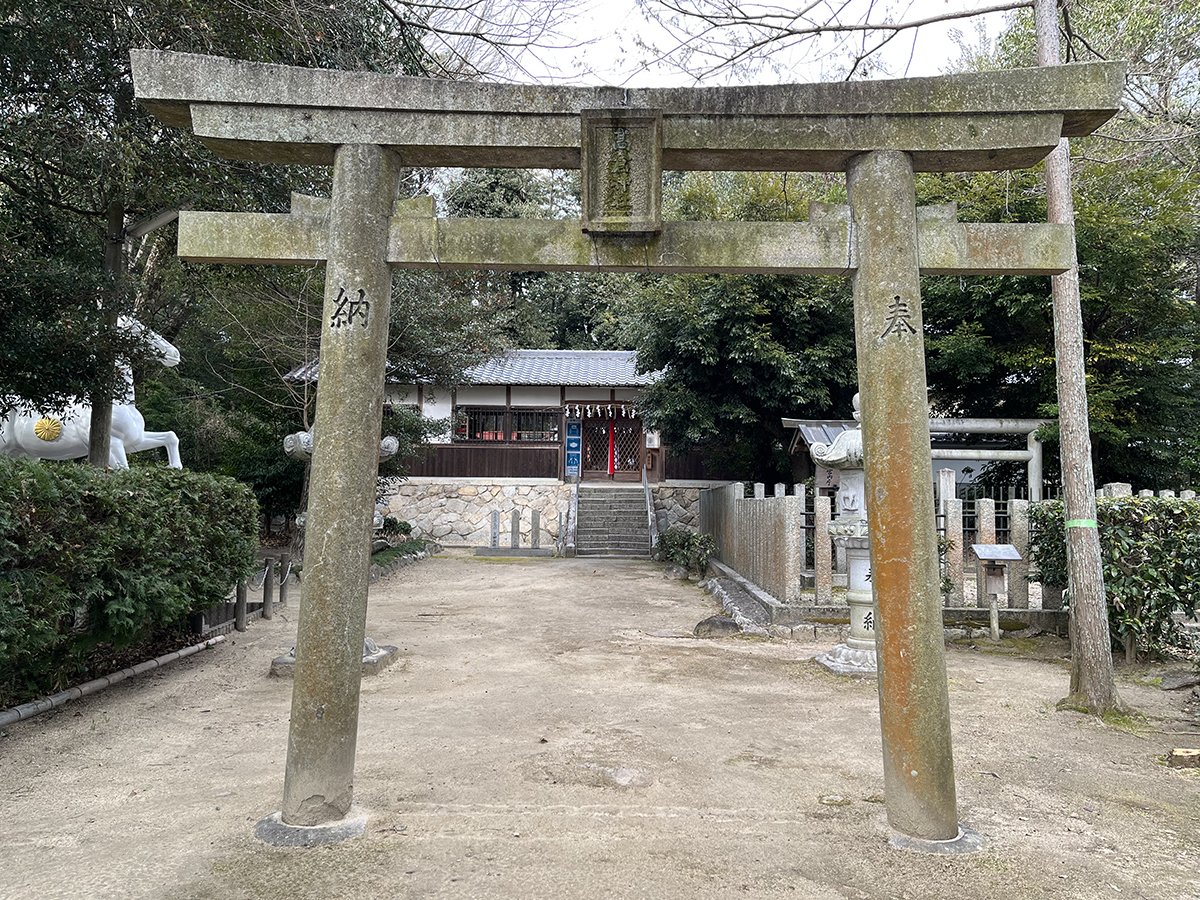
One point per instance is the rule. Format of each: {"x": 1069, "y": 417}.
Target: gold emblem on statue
{"x": 47, "y": 429}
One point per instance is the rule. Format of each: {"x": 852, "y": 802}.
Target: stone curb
{"x": 29, "y": 710}
{"x": 727, "y": 592}
{"x": 400, "y": 562}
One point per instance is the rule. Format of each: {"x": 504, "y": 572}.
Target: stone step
{"x": 626, "y": 551}
{"x": 607, "y": 554}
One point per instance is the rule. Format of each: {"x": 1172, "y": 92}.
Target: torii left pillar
{"x": 319, "y": 778}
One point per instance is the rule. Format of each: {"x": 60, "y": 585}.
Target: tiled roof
{"x": 598, "y": 368}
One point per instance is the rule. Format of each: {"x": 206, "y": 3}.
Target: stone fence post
{"x": 1018, "y": 536}
{"x": 793, "y": 548}
{"x": 822, "y": 551}
{"x": 956, "y": 553}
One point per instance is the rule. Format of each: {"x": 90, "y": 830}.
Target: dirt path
{"x": 543, "y": 739}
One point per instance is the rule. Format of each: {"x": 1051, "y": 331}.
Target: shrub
{"x": 1150, "y": 548}
{"x": 393, "y": 526}
{"x": 685, "y": 548}
{"x": 89, "y": 558}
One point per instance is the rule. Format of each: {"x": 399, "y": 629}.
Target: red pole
{"x": 612, "y": 447}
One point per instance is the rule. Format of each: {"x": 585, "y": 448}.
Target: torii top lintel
{"x": 967, "y": 122}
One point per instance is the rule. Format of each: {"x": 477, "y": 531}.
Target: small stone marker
{"x": 1183, "y": 759}
{"x": 516, "y": 528}
{"x": 495, "y": 529}
{"x": 535, "y": 528}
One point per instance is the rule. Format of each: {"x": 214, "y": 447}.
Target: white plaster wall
{"x": 458, "y": 512}
{"x": 586, "y": 393}
{"x": 482, "y": 395}
{"x": 535, "y": 395}
{"x": 438, "y": 403}
{"x": 628, "y": 394}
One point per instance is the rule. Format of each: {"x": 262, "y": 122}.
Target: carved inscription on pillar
{"x": 899, "y": 319}
{"x": 350, "y": 309}
{"x": 622, "y": 171}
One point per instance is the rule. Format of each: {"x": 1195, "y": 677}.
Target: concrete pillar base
{"x": 274, "y": 831}
{"x": 968, "y": 841}
{"x": 846, "y": 660}
{"x": 376, "y": 658}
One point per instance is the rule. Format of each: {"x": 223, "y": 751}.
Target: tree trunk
{"x": 1093, "y": 687}
{"x": 100, "y": 436}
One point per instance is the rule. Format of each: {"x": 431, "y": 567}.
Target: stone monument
{"x": 367, "y": 126}
{"x": 849, "y": 530}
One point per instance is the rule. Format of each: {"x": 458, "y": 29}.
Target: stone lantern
{"x": 849, "y": 530}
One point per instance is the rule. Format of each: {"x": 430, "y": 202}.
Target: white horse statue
{"x": 27, "y": 434}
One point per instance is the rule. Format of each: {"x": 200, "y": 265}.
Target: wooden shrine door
{"x": 612, "y": 449}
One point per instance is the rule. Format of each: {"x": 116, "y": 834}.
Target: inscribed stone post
{"x": 1018, "y": 536}
{"x": 319, "y": 775}
{"x": 793, "y": 548}
{"x": 985, "y": 533}
{"x": 516, "y": 529}
{"x": 914, "y": 701}
{"x": 822, "y": 551}
{"x": 955, "y": 552}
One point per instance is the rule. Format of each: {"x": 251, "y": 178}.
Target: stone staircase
{"x": 612, "y": 522}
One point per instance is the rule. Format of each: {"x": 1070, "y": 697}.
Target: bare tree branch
{"x": 715, "y": 36}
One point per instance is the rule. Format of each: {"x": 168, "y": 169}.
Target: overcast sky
{"x": 608, "y": 33}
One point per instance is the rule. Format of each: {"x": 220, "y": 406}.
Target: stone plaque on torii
{"x": 879, "y": 133}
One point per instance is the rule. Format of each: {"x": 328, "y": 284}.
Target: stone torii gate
{"x": 879, "y": 133}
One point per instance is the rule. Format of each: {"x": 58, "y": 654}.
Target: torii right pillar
{"x": 914, "y": 703}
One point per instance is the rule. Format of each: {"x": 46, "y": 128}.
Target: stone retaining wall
{"x": 459, "y": 511}
{"x": 677, "y": 505}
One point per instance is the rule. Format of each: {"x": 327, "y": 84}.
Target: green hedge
{"x": 89, "y": 558}
{"x": 1150, "y": 548}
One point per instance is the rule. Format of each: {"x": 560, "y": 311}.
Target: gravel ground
{"x": 551, "y": 732}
